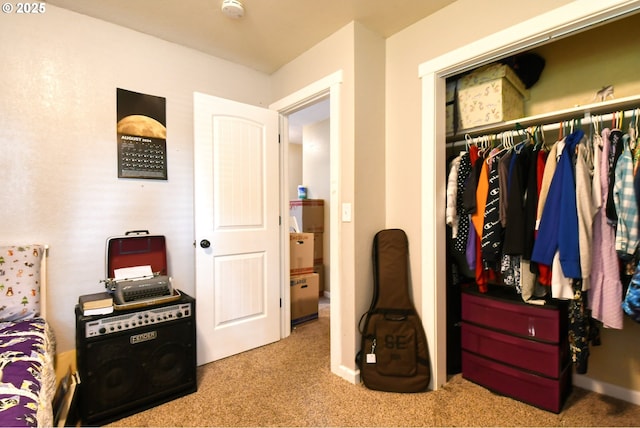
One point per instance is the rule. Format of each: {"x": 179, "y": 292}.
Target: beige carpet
{"x": 289, "y": 383}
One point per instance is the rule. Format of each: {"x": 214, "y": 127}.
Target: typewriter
{"x": 133, "y": 293}
{"x": 137, "y": 270}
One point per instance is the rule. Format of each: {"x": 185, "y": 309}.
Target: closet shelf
{"x": 556, "y": 116}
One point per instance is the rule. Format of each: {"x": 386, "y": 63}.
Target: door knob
{"x": 205, "y": 243}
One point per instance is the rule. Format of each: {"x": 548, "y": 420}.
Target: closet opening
{"x": 535, "y": 33}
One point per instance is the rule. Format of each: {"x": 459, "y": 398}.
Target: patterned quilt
{"x": 27, "y": 377}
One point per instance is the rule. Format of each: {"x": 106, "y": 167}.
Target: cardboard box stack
{"x": 304, "y": 298}
{"x": 305, "y": 253}
{"x": 309, "y": 214}
{"x": 303, "y": 281}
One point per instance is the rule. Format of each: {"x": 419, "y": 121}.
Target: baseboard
{"x": 352, "y": 376}
{"x": 605, "y": 388}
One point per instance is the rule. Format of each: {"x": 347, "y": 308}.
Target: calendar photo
{"x": 142, "y": 135}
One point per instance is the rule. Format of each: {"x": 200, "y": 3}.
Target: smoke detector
{"x": 232, "y": 9}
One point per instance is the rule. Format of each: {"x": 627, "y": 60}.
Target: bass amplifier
{"x": 129, "y": 361}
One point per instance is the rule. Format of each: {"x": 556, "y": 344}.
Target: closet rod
{"x": 553, "y": 118}
{"x": 586, "y": 120}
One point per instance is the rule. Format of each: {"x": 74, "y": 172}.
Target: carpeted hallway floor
{"x": 289, "y": 383}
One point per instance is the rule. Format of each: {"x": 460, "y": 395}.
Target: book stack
{"x": 96, "y": 303}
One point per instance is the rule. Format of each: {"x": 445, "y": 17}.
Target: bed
{"x": 27, "y": 344}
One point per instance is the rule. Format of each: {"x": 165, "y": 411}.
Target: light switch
{"x": 346, "y": 212}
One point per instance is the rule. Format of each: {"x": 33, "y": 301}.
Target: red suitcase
{"x": 139, "y": 248}
{"x": 136, "y": 248}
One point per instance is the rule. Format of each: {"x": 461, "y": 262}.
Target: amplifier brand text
{"x": 143, "y": 337}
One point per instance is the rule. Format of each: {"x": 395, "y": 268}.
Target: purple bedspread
{"x": 23, "y": 371}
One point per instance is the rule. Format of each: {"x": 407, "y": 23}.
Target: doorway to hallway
{"x": 309, "y": 166}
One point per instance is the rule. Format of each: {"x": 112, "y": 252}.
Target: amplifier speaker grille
{"x": 121, "y": 375}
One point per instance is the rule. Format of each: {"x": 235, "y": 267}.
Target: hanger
{"x": 505, "y": 145}
{"x": 523, "y": 132}
{"x": 530, "y": 137}
{"x": 596, "y": 122}
{"x": 574, "y": 125}
{"x": 526, "y": 135}
{"x": 485, "y": 145}
{"x": 526, "y": 139}
{"x": 532, "y": 131}
{"x": 468, "y": 142}
{"x": 633, "y": 131}
{"x": 620, "y": 119}
{"x": 561, "y": 130}
{"x": 617, "y": 119}
{"x": 488, "y": 141}
{"x": 543, "y": 142}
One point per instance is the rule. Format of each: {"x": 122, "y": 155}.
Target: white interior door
{"x": 236, "y": 226}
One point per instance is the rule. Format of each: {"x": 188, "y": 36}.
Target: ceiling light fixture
{"x": 232, "y": 9}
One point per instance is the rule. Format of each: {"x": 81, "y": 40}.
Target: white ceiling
{"x": 271, "y": 33}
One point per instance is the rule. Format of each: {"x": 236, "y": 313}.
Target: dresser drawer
{"x": 546, "y": 323}
{"x": 539, "y": 391}
{"x": 543, "y": 358}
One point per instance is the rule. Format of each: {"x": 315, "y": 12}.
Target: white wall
{"x": 60, "y": 71}
{"x": 316, "y": 162}
{"x": 295, "y": 170}
{"x": 332, "y": 55}
{"x": 358, "y": 54}
{"x": 315, "y": 159}
{"x": 369, "y": 161}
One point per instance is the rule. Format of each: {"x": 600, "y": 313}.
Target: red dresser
{"x": 515, "y": 348}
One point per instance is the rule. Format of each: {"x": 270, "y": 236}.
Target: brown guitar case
{"x": 394, "y": 355}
